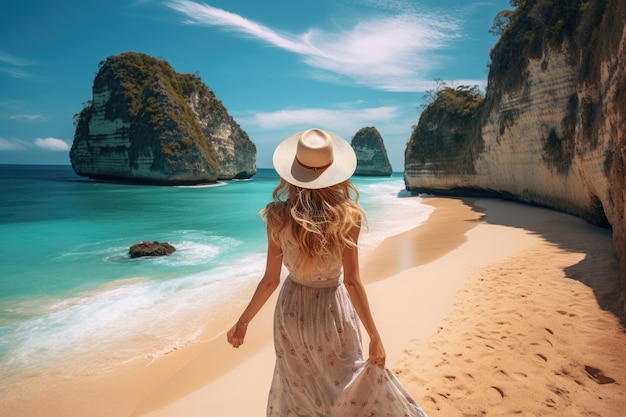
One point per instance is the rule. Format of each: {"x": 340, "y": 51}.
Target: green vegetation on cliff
{"x": 447, "y": 137}
{"x": 592, "y": 37}
{"x": 146, "y": 122}
{"x": 154, "y": 100}
{"x": 138, "y": 70}
{"x": 150, "y": 85}
{"x": 533, "y": 26}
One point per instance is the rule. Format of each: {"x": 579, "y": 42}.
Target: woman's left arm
{"x": 358, "y": 296}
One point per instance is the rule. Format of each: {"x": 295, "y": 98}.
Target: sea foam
{"x": 390, "y": 210}
{"x": 135, "y": 319}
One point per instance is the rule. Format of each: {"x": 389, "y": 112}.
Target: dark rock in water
{"x": 154, "y": 248}
{"x": 148, "y": 124}
{"x": 371, "y": 155}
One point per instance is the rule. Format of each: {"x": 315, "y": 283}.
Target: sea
{"x": 71, "y": 298}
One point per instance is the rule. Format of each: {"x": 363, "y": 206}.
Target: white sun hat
{"x": 314, "y": 159}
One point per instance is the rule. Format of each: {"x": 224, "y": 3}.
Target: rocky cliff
{"x": 371, "y": 155}
{"x": 148, "y": 124}
{"x": 551, "y": 129}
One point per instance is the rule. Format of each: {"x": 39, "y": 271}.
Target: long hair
{"x": 320, "y": 220}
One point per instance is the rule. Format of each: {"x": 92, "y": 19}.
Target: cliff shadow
{"x": 598, "y": 270}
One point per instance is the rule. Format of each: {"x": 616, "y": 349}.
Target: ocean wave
{"x": 390, "y": 210}
{"x": 121, "y": 322}
{"x": 211, "y": 185}
{"x": 193, "y": 248}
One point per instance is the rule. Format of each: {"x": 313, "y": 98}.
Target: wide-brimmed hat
{"x": 314, "y": 159}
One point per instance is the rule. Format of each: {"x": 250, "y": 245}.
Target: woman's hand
{"x": 236, "y": 334}
{"x": 377, "y": 353}
{"x": 356, "y": 290}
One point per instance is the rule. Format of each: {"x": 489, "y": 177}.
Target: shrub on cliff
{"x": 447, "y": 136}
{"x": 531, "y": 27}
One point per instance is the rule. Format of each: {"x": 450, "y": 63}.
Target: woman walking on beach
{"x": 313, "y": 226}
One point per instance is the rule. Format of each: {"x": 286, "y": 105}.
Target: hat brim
{"x": 288, "y": 167}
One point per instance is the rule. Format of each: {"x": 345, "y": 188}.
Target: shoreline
{"x": 528, "y": 335}
{"x": 420, "y": 283}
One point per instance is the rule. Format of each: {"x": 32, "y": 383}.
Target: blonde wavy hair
{"x": 320, "y": 219}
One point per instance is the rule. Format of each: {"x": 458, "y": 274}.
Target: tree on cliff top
{"x": 446, "y": 135}
{"x": 462, "y": 100}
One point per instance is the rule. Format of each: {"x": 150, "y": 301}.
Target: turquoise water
{"x": 70, "y": 294}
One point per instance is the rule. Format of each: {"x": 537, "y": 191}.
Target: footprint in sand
{"x": 597, "y": 375}
{"x": 503, "y": 372}
{"x": 499, "y": 391}
{"x": 431, "y": 399}
{"x": 561, "y": 392}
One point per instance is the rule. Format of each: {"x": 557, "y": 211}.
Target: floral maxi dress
{"x": 320, "y": 370}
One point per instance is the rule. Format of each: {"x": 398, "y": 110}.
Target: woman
{"x": 313, "y": 226}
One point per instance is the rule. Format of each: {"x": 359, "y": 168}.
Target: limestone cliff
{"x": 148, "y": 124}
{"x": 371, "y": 155}
{"x": 552, "y": 127}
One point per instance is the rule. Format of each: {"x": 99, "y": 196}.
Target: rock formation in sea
{"x": 551, "y": 129}
{"x": 148, "y": 124}
{"x": 371, "y": 155}
{"x": 150, "y": 248}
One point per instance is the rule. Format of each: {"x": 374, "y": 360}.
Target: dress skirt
{"x": 320, "y": 370}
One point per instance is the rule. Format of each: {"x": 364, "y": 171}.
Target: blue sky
{"x": 279, "y": 66}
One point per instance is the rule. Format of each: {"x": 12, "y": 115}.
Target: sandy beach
{"x": 489, "y": 308}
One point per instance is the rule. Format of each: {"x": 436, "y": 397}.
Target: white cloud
{"x": 11, "y": 145}
{"x": 394, "y": 123}
{"x": 52, "y": 144}
{"x": 16, "y": 73}
{"x": 48, "y": 144}
{"x": 390, "y": 52}
{"x": 27, "y": 117}
{"x": 12, "y": 66}
{"x": 13, "y": 60}
{"x": 345, "y": 119}
{"x": 339, "y": 119}
{"x": 212, "y": 16}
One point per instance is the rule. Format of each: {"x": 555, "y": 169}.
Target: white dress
{"x": 320, "y": 370}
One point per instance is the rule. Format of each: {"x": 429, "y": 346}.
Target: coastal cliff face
{"x": 371, "y": 155}
{"x": 149, "y": 124}
{"x": 551, "y": 129}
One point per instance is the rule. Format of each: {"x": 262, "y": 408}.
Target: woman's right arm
{"x": 264, "y": 290}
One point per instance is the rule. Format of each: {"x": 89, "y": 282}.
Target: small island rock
{"x": 371, "y": 154}
{"x": 148, "y": 124}
{"x": 154, "y": 248}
